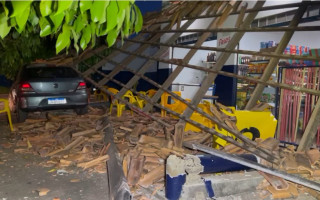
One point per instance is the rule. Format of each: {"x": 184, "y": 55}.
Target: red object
{"x": 26, "y": 87}
{"x": 82, "y": 85}
{"x": 293, "y": 49}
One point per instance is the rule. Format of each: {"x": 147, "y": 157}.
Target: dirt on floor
{"x": 23, "y": 178}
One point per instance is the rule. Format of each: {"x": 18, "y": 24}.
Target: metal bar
{"x": 311, "y": 129}
{"x": 223, "y": 57}
{"x": 275, "y": 7}
{"x": 257, "y": 53}
{"x": 255, "y": 29}
{"x": 252, "y": 149}
{"x": 194, "y": 108}
{"x": 186, "y": 58}
{"x": 254, "y": 165}
{"x": 118, "y": 186}
{"x": 274, "y": 61}
{"x": 271, "y": 83}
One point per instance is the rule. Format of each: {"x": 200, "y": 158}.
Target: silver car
{"x": 43, "y": 87}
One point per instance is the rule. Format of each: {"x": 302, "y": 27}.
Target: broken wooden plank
{"x": 93, "y": 162}
{"x": 179, "y": 134}
{"x": 276, "y": 182}
{"x": 125, "y": 128}
{"x": 151, "y": 177}
{"x": 314, "y": 155}
{"x": 135, "y": 169}
{"x": 75, "y": 143}
{"x": 144, "y": 139}
{"x": 135, "y": 133}
{"x": 85, "y": 132}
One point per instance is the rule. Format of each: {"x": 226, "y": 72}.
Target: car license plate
{"x": 57, "y": 101}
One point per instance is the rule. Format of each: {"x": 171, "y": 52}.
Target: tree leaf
{"x": 132, "y": 19}
{"x": 63, "y": 5}
{"x": 112, "y": 11}
{"x": 78, "y": 24}
{"x": 139, "y": 19}
{"x": 76, "y": 37}
{"x": 86, "y": 36}
{"x": 122, "y": 12}
{"x": 102, "y": 29}
{"x": 126, "y": 28}
{"x": 19, "y": 7}
{"x": 112, "y": 37}
{"x": 45, "y": 8}
{"x": 4, "y": 28}
{"x": 6, "y": 10}
{"x": 22, "y": 19}
{"x": 45, "y": 27}
{"x": 93, "y": 27}
{"x": 74, "y": 5}
{"x": 57, "y": 20}
{"x": 63, "y": 40}
{"x": 33, "y": 19}
{"x": 98, "y": 9}
{"x": 87, "y": 33}
{"x": 85, "y": 5}
{"x": 70, "y": 16}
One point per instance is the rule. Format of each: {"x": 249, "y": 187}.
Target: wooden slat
{"x": 274, "y": 61}
{"x": 207, "y": 82}
{"x": 228, "y": 74}
{"x": 219, "y": 49}
{"x": 179, "y": 68}
{"x": 251, "y": 148}
{"x": 311, "y": 129}
{"x": 220, "y": 123}
{"x": 160, "y": 52}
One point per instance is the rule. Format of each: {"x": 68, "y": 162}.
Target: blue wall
{"x": 4, "y": 82}
{"x": 124, "y": 76}
{"x": 149, "y": 6}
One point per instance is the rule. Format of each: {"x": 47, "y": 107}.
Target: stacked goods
{"x": 315, "y": 53}
{"x": 297, "y": 50}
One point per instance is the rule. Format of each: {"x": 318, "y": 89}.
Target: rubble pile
{"x": 69, "y": 140}
{"x": 304, "y": 164}
{"x": 143, "y": 150}
{"x": 66, "y": 139}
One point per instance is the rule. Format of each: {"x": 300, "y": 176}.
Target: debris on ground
{"x": 71, "y": 140}
{"x": 144, "y": 149}
{"x": 68, "y": 140}
{"x": 43, "y": 191}
{"x": 304, "y": 164}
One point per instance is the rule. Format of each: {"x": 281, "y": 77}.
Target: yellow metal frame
{"x": 6, "y": 109}
{"x": 264, "y": 121}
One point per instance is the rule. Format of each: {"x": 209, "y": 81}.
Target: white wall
{"x": 272, "y": 3}
{"x": 189, "y": 76}
{"x": 251, "y": 40}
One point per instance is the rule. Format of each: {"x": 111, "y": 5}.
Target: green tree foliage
{"x": 19, "y": 49}
{"x": 76, "y": 22}
{"x": 79, "y": 21}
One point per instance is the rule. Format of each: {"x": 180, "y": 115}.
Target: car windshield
{"x": 49, "y": 72}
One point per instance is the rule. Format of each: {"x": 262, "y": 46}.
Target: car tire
{"x": 82, "y": 110}
{"x": 21, "y": 115}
